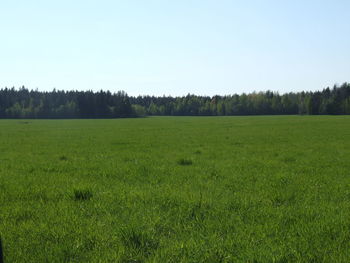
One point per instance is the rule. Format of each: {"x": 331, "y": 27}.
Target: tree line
{"x": 24, "y": 103}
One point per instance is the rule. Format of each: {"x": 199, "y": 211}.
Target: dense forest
{"x": 24, "y": 103}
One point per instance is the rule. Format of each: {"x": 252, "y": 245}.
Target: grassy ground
{"x": 176, "y": 189}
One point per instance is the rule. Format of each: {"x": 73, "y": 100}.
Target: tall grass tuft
{"x": 83, "y": 194}
{"x": 63, "y": 158}
{"x": 139, "y": 240}
{"x": 184, "y": 161}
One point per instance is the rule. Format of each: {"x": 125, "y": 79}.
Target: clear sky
{"x": 163, "y": 47}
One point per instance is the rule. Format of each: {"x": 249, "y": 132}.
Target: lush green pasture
{"x": 176, "y": 189}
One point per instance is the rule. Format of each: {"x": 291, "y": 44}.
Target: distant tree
{"x": 139, "y": 110}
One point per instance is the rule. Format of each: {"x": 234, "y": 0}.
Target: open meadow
{"x": 176, "y": 189}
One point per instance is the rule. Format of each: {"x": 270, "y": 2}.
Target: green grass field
{"x": 176, "y": 189}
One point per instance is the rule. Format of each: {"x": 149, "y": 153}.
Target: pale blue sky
{"x": 203, "y": 47}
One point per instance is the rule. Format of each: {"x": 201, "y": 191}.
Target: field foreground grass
{"x": 176, "y": 189}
